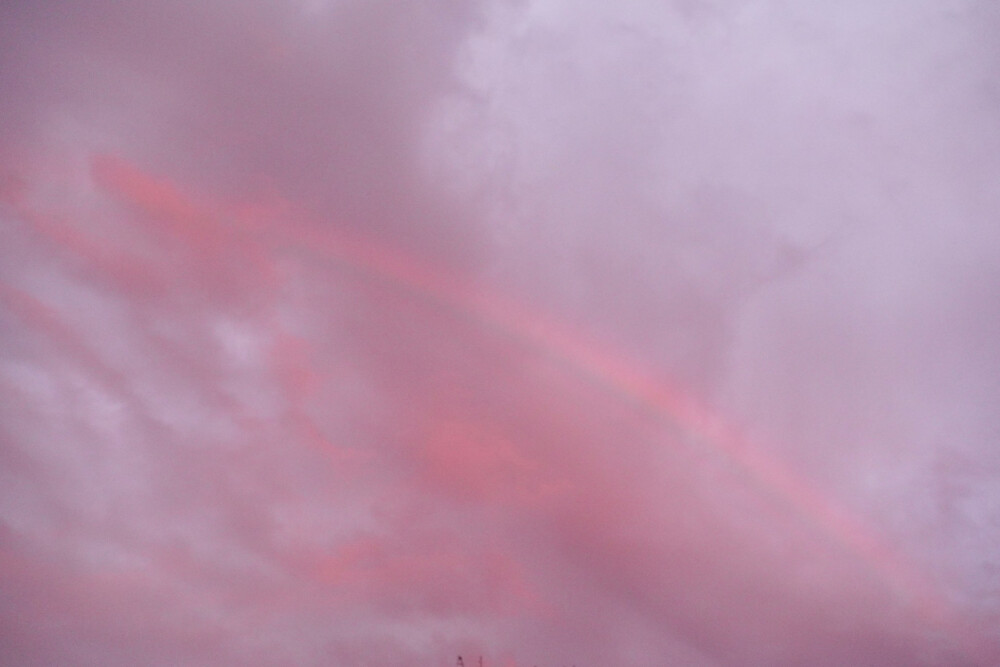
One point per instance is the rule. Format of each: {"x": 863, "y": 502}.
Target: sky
{"x": 371, "y": 332}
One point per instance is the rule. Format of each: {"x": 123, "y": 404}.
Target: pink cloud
{"x": 374, "y": 333}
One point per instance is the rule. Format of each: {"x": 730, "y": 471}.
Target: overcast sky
{"x": 380, "y": 332}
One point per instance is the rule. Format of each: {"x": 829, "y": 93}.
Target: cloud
{"x": 556, "y": 333}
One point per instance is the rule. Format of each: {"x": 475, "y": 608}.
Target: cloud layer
{"x": 380, "y": 333}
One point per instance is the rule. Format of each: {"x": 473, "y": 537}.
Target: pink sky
{"x": 342, "y": 332}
